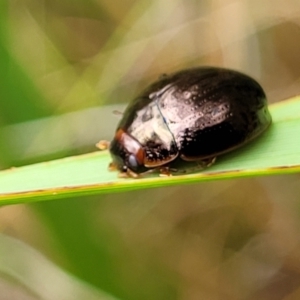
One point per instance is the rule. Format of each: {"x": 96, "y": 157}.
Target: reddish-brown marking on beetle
{"x": 131, "y": 145}
{"x": 157, "y": 163}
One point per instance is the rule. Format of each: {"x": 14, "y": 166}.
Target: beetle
{"x": 188, "y": 118}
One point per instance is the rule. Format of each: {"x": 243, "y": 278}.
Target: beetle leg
{"x": 205, "y": 163}
{"x": 128, "y": 174}
{"x": 103, "y": 145}
{"x": 166, "y": 171}
{"x": 112, "y": 166}
{"x": 198, "y": 165}
{"x": 131, "y": 174}
{"x": 123, "y": 175}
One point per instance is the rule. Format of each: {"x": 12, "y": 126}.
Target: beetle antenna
{"x": 117, "y": 113}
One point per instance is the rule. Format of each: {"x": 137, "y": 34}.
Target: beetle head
{"x": 132, "y": 158}
{"x": 127, "y": 154}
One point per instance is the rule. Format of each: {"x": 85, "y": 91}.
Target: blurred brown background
{"x": 65, "y": 66}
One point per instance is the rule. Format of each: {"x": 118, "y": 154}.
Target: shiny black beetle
{"x": 190, "y": 116}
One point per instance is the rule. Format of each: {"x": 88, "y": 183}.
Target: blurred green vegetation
{"x": 62, "y": 61}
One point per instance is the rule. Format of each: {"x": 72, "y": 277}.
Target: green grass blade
{"x": 30, "y": 271}
{"x": 276, "y": 152}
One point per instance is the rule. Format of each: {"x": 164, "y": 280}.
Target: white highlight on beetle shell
{"x": 150, "y": 125}
{"x": 181, "y": 110}
{"x": 172, "y": 111}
